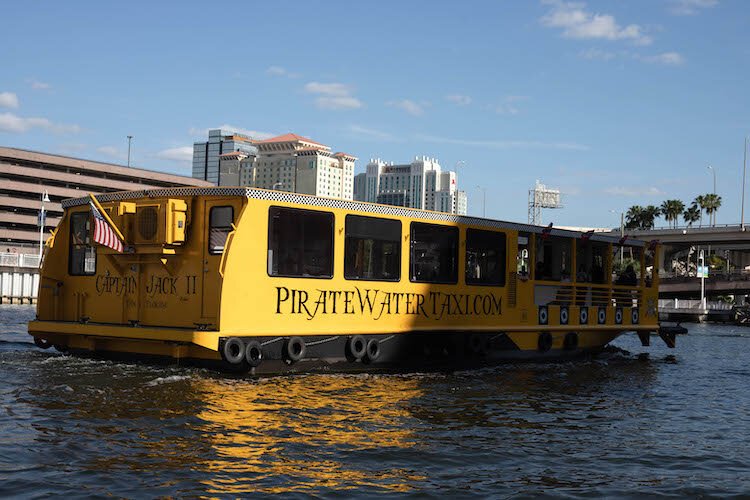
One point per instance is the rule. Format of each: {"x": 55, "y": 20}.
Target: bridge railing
{"x": 19, "y": 260}
{"x": 734, "y": 275}
{"x": 713, "y": 305}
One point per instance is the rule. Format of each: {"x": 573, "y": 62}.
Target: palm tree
{"x": 648, "y": 215}
{"x": 692, "y": 214}
{"x": 671, "y": 209}
{"x": 700, "y": 201}
{"x": 711, "y": 204}
{"x": 633, "y": 217}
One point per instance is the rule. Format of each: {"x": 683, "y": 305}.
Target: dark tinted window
{"x": 300, "y": 243}
{"x": 219, "y": 227}
{"x": 485, "y": 257}
{"x": 434, "y": 253}
{"x": 372, "y": 249}
{"x": 82, "y": 252}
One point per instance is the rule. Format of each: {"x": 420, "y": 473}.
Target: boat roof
{"x": 360, "y": 206}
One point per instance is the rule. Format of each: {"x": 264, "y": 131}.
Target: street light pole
{"x": 713, "y": 171}
{"x": 130, "y": 138}
{"x": 484, "y": 198}
{"x": 701, "y": 260}
{"x": 744, "y": 168}
{"x": 42, "y": 220}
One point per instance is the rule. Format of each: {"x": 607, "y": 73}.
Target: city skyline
{"x": 614, "y": 104}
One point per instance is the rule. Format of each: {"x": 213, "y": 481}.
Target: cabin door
{"x": 218, "y": 215}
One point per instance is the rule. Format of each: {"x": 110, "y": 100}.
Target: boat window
{"x": 434, "y": 253}
{"x": 552, "y": 258}
{"x": 82, "y": 252}
{"x": 300, "y": 243}
{"x": 650, "y": 264}
{"x": 523, "y": 266}
{"x": 626, "y": 265}
{"x": 591, "y": 259}
{"x": 485, "y": 257}
{"x": 219, "y": 227}
{"x": 372, "y": 249}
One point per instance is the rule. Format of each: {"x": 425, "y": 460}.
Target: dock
{"x": 693, "y": 311}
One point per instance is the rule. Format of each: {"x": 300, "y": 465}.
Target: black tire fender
{"x": 233, "y": 350}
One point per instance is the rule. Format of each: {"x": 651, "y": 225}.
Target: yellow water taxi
{"x": 273, "y": 282}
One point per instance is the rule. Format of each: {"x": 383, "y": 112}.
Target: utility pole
{"x": 130, "y": 138}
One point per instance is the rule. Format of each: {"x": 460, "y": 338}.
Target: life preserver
{"x": 543, "y": 315}
{"x": 544, "y": 343}
{"x": 43, "y": 343}
{"x": 618, "y": 316}
{"x": 583, "y": 315}
{"x": 233, "y": 350}
{"x": 253, "y": 353}
{"x": 601, "y": 316}
{"x": 295, "y": 348}
{"x": 634, "y": 316}
{"x": 563, "y": 315}
{"x": 570, "y": 343}
{"x": 356, "y": 347}
{"x": 373, "y": 350}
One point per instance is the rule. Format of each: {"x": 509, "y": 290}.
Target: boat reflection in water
{"x": 281, "y": 435}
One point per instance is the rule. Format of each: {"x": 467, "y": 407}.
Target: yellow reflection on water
{"x": 302, "y": 433}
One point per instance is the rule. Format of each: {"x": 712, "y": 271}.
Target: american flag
{"x": 103, "y": 232}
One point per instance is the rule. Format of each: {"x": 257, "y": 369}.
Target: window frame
{"x": 211, "y": 250}
{"x": 502, "y": 260}
{"x": 398, "y": 242}
{"x": 446, "y": 229}
{"x": 87, "y": 244}
{"x": 300, "y": 211}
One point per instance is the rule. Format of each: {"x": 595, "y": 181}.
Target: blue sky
{"x": 615, "y": 103}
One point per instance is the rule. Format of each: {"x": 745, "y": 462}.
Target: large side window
{"x": 434, "y": 253}
{"x": 372, "y": 249}
{"x": 219, "y": 227}
{"x": 300, "y": 243}
{"x": 82, "y": 252}
{"x": 485, "y": 257}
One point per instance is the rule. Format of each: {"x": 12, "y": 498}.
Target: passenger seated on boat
{"x": 582, "y": 276}
{"x": 628, "y": 276}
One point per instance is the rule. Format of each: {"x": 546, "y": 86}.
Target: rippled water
{"x": 670, "y": 422}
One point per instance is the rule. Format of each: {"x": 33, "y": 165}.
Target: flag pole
{"x": 106, "y": 216}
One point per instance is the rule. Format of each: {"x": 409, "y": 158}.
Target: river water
{"x": 632, "y": 421}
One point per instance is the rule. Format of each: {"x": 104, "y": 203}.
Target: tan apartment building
{"x": 25, "y": 176}
{"x": 292, "y": 163}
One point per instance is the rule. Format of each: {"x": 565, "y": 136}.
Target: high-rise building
{"x": 292, "y": 163}
{"x": 206, "y": 155}
{"x": 419, "y": 184}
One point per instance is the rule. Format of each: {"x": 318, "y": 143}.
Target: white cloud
{"x": 113, "y": 152}
{"x": 461, "y": 100}
{"x": 338, "y": 102}
{"x": 634, "y": 191}
{"x": 596, "y": 54}
{"x": 409, "y": 106}
{"x": 690, "y": 7}
{"x": 18, "y": 124}
{"x": 578, "y": 23}
{"x": 280, "y": 71}
{"x": 8, "y": 100}
{"x": 182, "y": 154}
{"x": 37, "y": 85}
{"x": 333, "y": 95}
{"x": 509, "y": 106}
{"x": 667, "y": 58}
{"x": 202, "y": 133}
{"x": 505, "y": 144}
{"x": 371, "y": 133}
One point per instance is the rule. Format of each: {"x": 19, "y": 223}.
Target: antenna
{"x": 542, "y": 197}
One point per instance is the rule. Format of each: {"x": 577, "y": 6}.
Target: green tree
{"x": 700, "y": 201}
{"x": 672, "y": 209}
{"x": 633, "y": 217}
{"x": 648, "y": 215}
{"x": 691, "y": 214}
{"x": 711, "y": 204}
